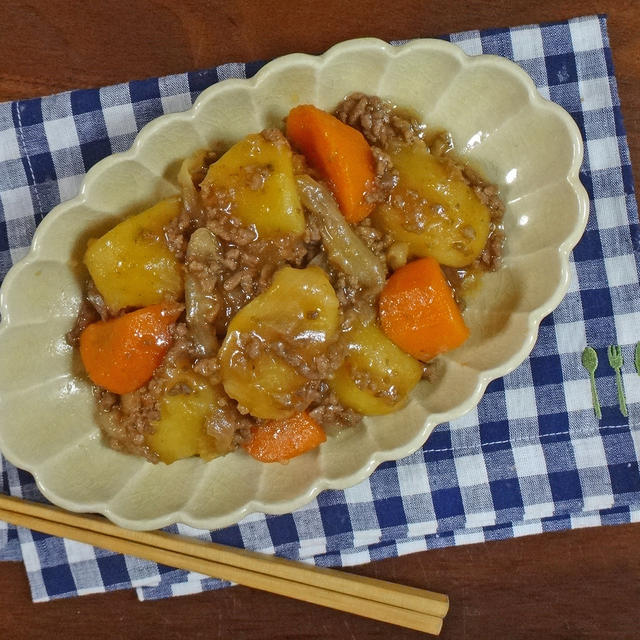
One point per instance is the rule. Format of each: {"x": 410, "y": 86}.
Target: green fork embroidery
{"x": 614, "y": 352}
{"x": 616, "y": 361}
{"x": 590, "y": 363}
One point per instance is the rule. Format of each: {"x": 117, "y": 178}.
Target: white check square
{"x": 61, "y": 133}
{"x": 120, "y": 120}
{"x": 595, "y": 93}
{"x": 571, "y": 337}
{"x": 539, "y": 510}
{"x": 627, "y": 331}
{"x": 17, "y": 203}
{"x": 471, "y": 470}
{"x": 174, "y": 104}
{"x": 589, "y": 452}
{"x": 468, "y": 537}
{"x": 412, "y": 479}
{"x": 527, "y": 44}
{"x": 611, "y": 212}
{"x": 9, "y": 149}
{"x": 69, "y": 187}
{"x": 586, "y": 35}
{"x": 578, "y": 394}
{"x": 621, "y": 270}
{"x": 521, "y": 403}
{"x": 78, "y": 551}
{"x": 603, "y": 153}
{"x": 529, "y": 460}
{"x": 350, "y": 558}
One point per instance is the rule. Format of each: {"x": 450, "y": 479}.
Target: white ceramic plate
{"x": 528, "y": 146}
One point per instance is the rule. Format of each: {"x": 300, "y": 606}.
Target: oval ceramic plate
{"x": 528, "y": 146}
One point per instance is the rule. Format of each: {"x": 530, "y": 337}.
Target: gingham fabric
{"x": 530, "y": 458}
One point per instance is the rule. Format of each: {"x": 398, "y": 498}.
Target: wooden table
{"x": 576, "y": 584}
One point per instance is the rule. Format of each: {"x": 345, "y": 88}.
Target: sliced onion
{"x": 190, "y": 197}
{"x": 345, "y": 250}
{"x": 202, "y": 307}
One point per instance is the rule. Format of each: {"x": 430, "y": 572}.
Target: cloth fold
{"x": 530, "y": 458}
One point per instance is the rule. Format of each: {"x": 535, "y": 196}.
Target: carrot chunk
{"x": 418, "y": 311}
{"x": 121, "y": 354}
{"x": 278, "y": 440}
{"x": 339, "y": 152}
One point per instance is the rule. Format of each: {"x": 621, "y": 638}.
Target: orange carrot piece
{"x": 121, "y": 354}
{"x": 339, "y": 152}
{"x": 278, "y": 440}
{"x": 418, "y": 311}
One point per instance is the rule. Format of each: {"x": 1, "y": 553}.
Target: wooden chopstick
{"x": 384, "y": 601}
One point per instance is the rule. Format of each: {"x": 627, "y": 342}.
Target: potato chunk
{"x": 181, "y": 430}
{"x": 296, "y": 317}
{"x": 131, "y": 264}
{"x": 256, "y": 175}
{"x": 376, "y": 376}
{"x": 433, "y": 210}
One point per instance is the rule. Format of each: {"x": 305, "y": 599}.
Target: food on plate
{"x": 433, "y": 210}
{"x": 121, "y": 353}
{"x": 131, "y": 265}
{"x": 375, "y": 376}
{"x": 418, "y": 311}
{"x": 340, "y": 153}
{"x": 278, "y": 440}
{"x": 304, "y": 278}
{"x": 275, "y": 343}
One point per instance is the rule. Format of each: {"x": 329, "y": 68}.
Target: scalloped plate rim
{"x": 483, "y": 378}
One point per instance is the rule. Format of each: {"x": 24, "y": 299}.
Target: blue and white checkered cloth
{"x": 530, "y": 458}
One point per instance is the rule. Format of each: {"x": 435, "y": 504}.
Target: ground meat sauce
{"x": 243, "y": 267}
{"x": 380, "y": 123}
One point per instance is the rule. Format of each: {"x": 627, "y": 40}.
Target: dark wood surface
{"x": 577, "y": 584}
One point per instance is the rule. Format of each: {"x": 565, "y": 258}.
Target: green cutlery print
{"x": 614, "y": 352}
{"x": 590, "y": 363}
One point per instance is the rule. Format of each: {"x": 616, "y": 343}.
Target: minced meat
{"x": 379, "y": 122}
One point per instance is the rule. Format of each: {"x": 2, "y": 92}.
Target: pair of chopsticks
{"x": 384, "y": 601}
